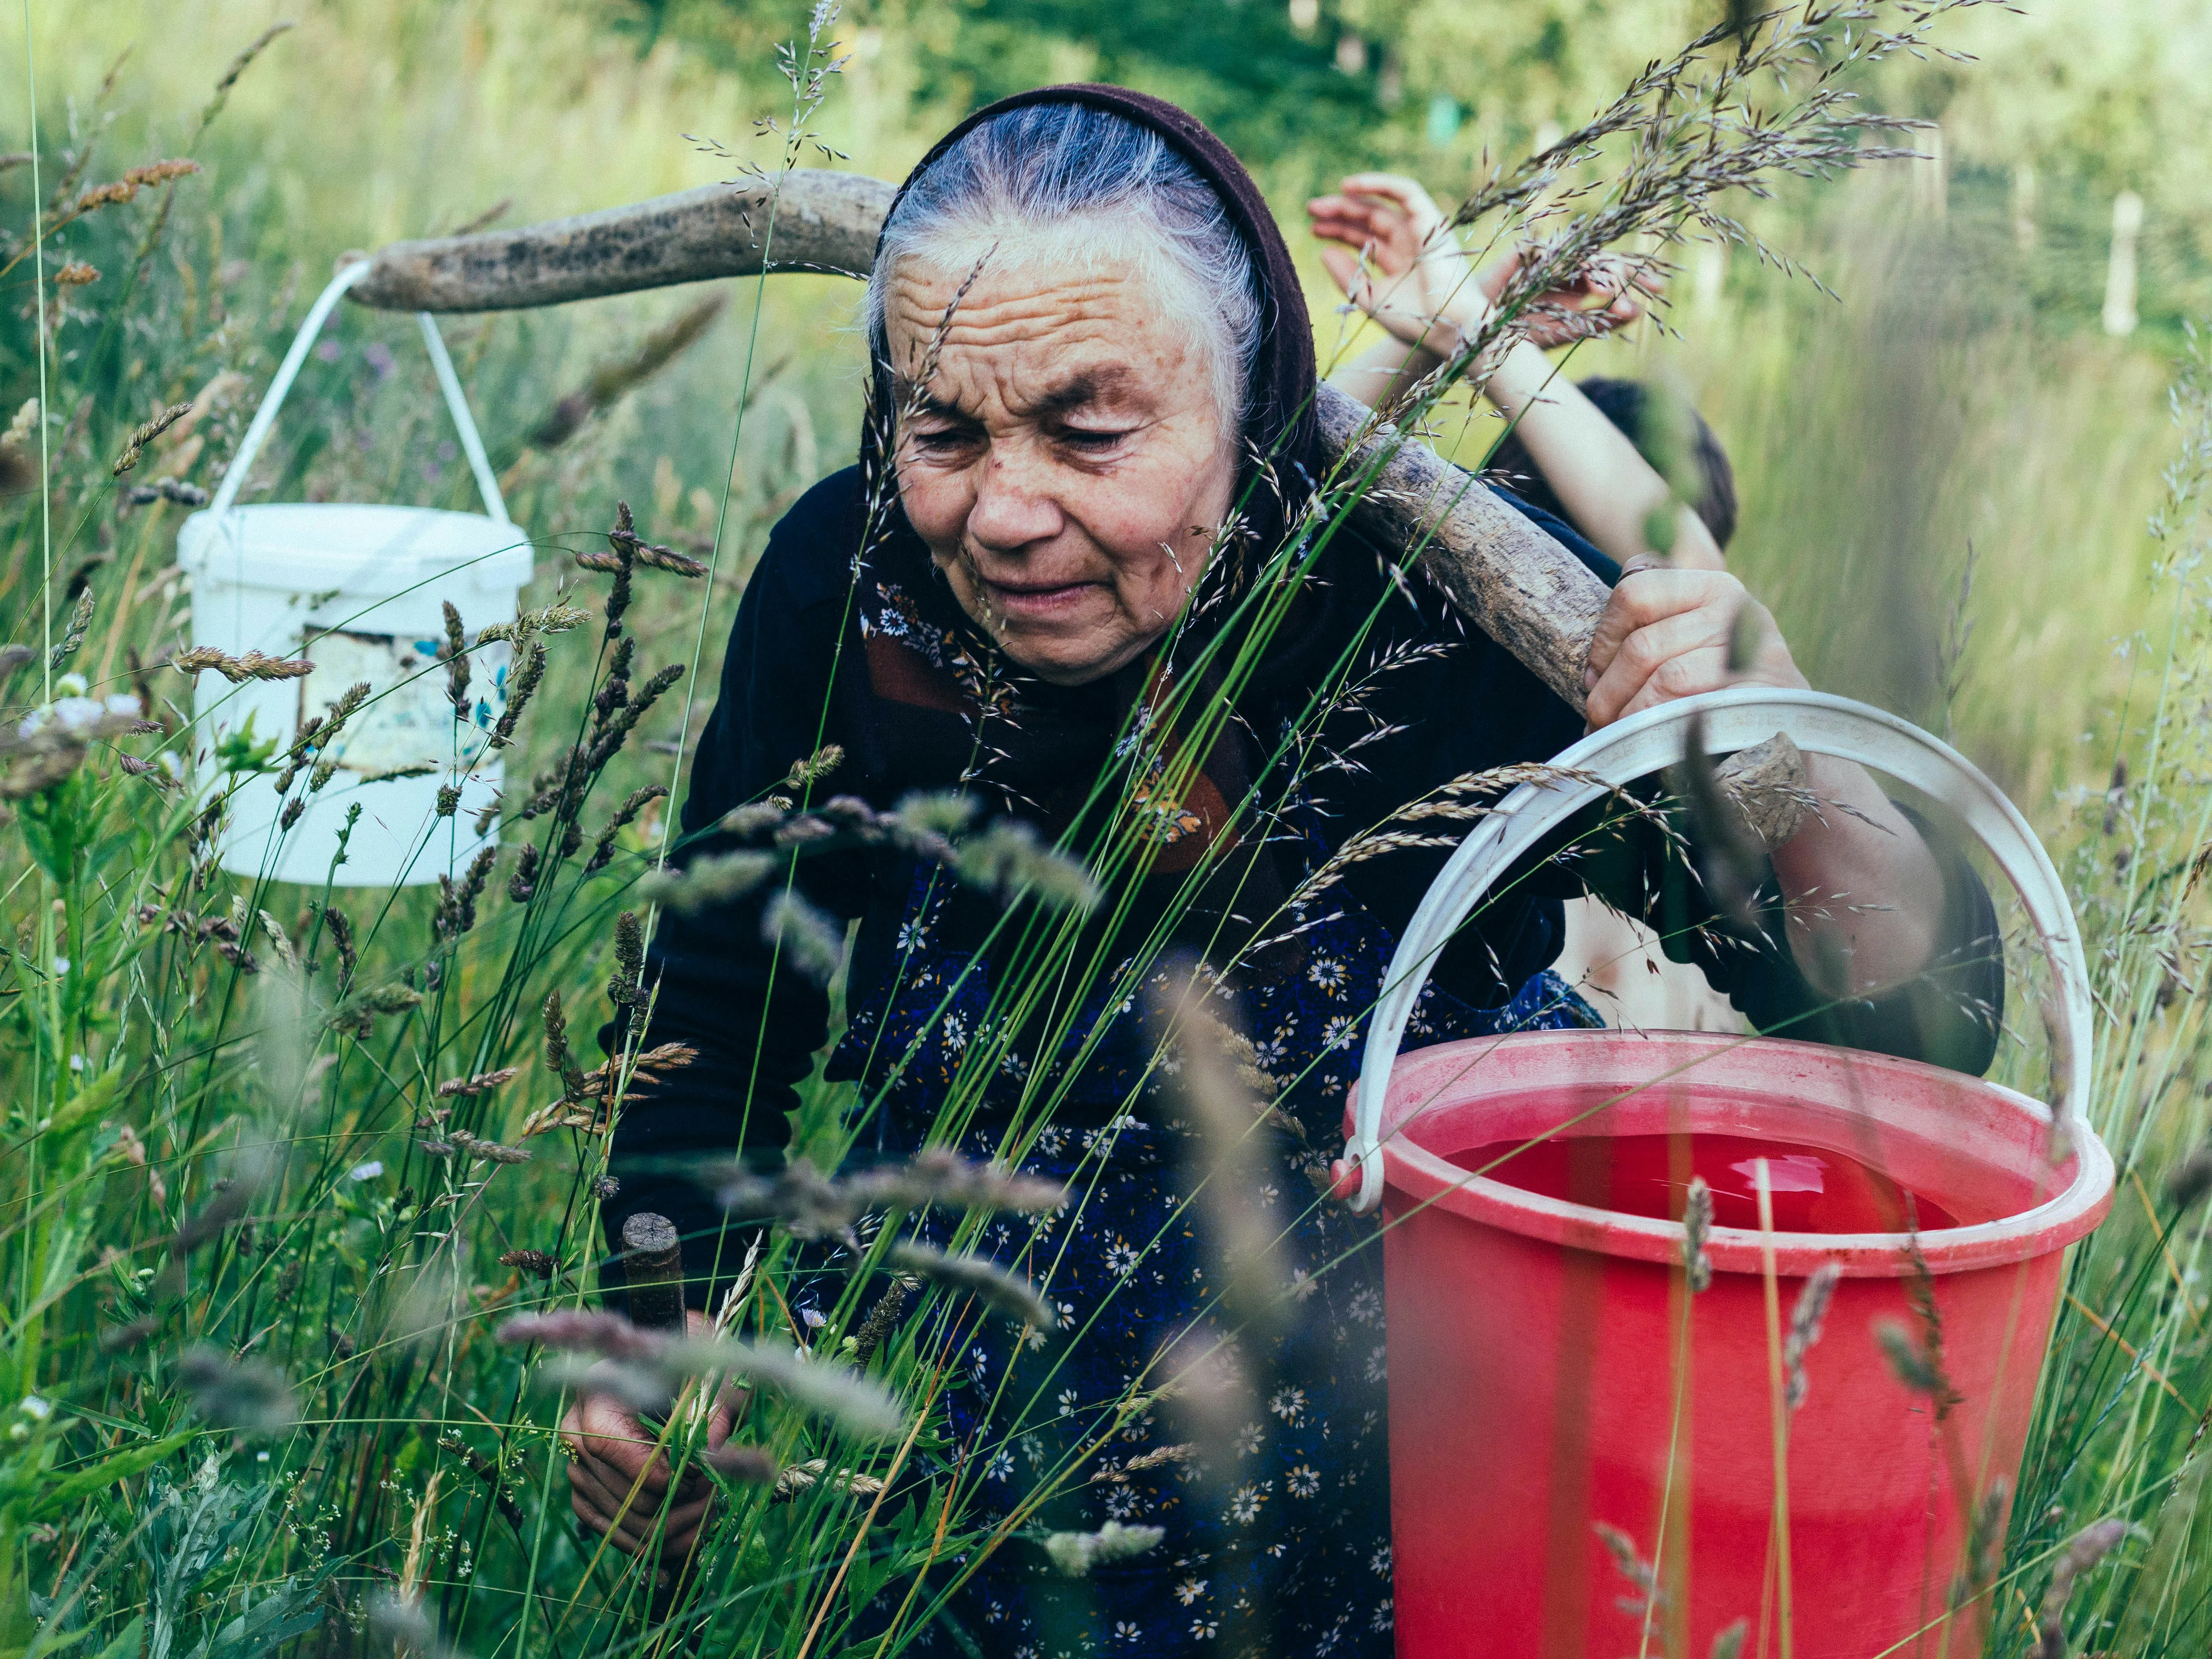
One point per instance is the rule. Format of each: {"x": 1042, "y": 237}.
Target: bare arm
{"x": 1417, "y": 282}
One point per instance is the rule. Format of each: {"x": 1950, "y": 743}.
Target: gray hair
{"x": 1055, "y": 168}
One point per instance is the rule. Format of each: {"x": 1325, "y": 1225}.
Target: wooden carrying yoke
{"x": 1515, "y": 583}
{"x": 1519, "y": 586}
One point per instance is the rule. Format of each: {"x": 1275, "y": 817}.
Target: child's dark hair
{"x": 1624, "y": 403}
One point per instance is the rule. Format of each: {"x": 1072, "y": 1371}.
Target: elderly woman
{"x": 1072, "y": 580}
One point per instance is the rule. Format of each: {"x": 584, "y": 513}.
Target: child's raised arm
{"x": 1395, "y": 257}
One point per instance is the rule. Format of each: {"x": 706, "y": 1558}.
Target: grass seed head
{"x": 2083, "y": 1552}
{"x": 1074, "y": 1553}
{"x": 988, "y": 1283}
{"x": 1812, "y": 1307}
{"x": 808, "y": 940}
{"x": 248, "y": 1396}
{"x": 481, "y": 1084}
{"x": 1697, "y": 1230}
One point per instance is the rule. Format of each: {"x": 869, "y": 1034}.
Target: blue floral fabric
{"x": 1285, "y": 1551}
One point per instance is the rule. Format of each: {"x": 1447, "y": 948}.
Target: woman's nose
{"x": 1013, "y": 511}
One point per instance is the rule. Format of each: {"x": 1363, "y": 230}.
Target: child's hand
{"x": 1397, "y": 258}
{"x": 1608, "y": 294}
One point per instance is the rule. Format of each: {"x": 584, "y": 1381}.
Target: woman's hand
{"x": 619, "y": 1482}
{"x": 1665, "y": 633}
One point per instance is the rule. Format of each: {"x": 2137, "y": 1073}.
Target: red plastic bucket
{"x": 1541, "y": 1385}
{"x": 1553, "y": 1375}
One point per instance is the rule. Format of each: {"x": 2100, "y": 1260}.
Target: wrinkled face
{"x": 1068, "y": 464}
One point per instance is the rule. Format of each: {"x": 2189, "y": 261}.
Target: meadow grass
{"x": 264, "y": 1401}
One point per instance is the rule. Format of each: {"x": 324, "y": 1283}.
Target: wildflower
{"x": 253, "y": 666}
{"x": 1075, "y": 1553}
{"x": 987, "y": 1282}
{"x": 75, "y": 274}
{"x": 248, "y": 1396}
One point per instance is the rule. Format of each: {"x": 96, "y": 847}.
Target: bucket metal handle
{"x": 1735, "y": 719}
{"x": 233, "y": 477}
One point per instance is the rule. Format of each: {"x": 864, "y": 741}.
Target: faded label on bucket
{"x": 408, "y": 722}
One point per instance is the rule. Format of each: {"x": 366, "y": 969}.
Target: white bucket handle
{"x": 233, "y": 477}
{"x": 1735, "y": 719}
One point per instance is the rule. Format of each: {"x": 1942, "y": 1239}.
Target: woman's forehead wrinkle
{"x": 1039, "y": 350}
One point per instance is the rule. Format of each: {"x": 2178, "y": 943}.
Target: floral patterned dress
{"x": 1282, "y": 1547}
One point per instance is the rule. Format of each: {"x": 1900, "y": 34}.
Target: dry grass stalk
{"x": 615, "y": 379}
{"x": 469, "y": 1087}
{"x": 253, "y": 666}
{"x": 146, "y": 435}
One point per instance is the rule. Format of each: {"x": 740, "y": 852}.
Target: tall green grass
{"x": 1876, "y": 438}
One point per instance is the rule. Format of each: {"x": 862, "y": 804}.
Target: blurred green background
{"x": 1958, "y": 389}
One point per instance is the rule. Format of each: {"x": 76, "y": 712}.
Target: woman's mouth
{"x": 1036, "y": 601}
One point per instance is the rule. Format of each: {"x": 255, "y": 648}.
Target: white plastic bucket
{"x": 359, "y": 590}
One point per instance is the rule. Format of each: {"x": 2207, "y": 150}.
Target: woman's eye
{"x": 1091, "y": 439}
{"x": 938, "y": 440}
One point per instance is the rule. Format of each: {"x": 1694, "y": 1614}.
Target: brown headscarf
{"x": 950, "y": 704}
{"x": 1281, "y": 422}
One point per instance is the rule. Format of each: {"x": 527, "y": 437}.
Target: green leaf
{"x": 73, "y": 1488}
{"x": 287, "y": 1611}
{"x": 126, "y": 1643}
{"x": 88, "y": 1102}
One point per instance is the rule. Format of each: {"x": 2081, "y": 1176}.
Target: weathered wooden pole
{"x": 1513, "y": 582}
{"x": 1517, "y": 583}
